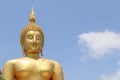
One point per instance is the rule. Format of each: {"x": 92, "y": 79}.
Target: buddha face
{"x": 32, "y": 42}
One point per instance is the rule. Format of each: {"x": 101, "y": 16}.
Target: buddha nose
{"x": 34, "y": 39}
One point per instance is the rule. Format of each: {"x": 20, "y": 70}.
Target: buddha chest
{"x": 38, "y": 68}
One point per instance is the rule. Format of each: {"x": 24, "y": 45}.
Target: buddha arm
{"x": 58, "y": 73}
{"x": 8, "y": 73}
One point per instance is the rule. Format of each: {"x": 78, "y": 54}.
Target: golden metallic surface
{"x": 33, "y": 41}
{"x": 32, "y": 66}
{"x": 31, "y": 26}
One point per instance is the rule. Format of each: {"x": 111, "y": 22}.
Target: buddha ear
{"x": 23, "y": 51}
{"x": 41, "y": 53}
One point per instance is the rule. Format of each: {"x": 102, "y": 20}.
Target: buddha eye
{"x": 38, "y": 37}
{"x": 30, "y": 37}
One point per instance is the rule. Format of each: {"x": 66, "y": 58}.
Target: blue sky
{"x": 82, "y": 35}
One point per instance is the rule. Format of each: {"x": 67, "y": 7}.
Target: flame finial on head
{"x": 32, "y": 17}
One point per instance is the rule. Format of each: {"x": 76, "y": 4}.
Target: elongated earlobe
{"x": 23, "y": 50}
{"x": 41, "y": 53}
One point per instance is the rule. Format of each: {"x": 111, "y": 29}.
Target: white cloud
{"x": 115, "y": 76}
{"x": 100, "y": 43}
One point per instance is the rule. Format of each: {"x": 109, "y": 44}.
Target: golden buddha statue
{"x": 32, "y": 66}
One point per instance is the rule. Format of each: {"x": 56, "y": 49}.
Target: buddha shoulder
{"x": 49, "y": 61}
{"x": 12, "y": 62}
{"x": 54, "y": 64}
{"x": 9, "y": 63}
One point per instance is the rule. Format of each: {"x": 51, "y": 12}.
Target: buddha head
{"x": 32, "y": 37}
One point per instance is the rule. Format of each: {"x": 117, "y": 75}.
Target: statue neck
{"x": 32, "y": 55}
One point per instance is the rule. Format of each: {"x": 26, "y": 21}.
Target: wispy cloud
{"x": 112, "y": 76}
{"x": 99, "y": 44}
